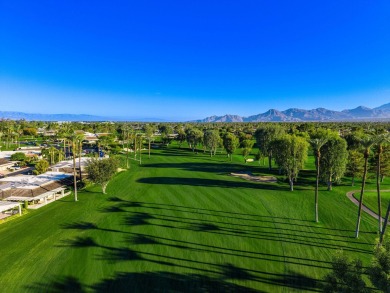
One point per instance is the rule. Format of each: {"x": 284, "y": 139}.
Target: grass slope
{"x": 370, "y": 200}
{"x": 181, "y": 223}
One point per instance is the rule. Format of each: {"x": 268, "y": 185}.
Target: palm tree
{"x": 64, "y": 132}
{"x": 149, "y": 134}
{"x": 126, "y": 135}
{"x": 80, "y": 138}
{"x": 380, "y": 140}
{"x": 317, "y": 144}
{"x": 367, "y": 143}
{"x": 73, "y": 138}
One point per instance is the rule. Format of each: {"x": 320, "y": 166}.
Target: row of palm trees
{"x": 370, "y": 141}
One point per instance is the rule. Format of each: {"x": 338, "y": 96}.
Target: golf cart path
{"x": 364, "y": 208}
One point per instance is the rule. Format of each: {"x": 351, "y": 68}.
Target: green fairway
{"x": 370, "y": 200}
{"x": 180, "y": 223}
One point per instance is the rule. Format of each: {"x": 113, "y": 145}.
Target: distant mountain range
{"x": 67, "y": 117}
{"x": 320, "y": 114}
{"x": 290, "y": 115}
{"x": 49, "y": 117}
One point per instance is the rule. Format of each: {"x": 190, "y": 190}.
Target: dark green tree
{"x": 100, "y": 171}
{"x": 346, "y": 276}
{"x": 379, "y": 270}
{"x": 334, "y": 156}
{"x": 230, "y": 143}
{"x": 291, "y": 155}
{"x": 265, "y": 135}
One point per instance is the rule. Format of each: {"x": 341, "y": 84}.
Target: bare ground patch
{"x": 249, "y": 176}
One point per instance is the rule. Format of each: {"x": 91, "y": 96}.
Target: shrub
{"x": 18, "y": 157}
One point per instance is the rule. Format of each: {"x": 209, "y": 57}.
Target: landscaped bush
{"x": 18, "y": 157}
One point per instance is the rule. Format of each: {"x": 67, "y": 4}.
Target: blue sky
{"x": 191, "y": 59}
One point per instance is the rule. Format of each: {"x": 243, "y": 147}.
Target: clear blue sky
{"x": 191, "y": 59}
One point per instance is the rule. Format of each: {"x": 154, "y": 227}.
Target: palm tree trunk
{"x": 140, "y": 150}
{"x": 385, "y": 224}
{"x": 378, "y": 188}
{"x": 270, "y": 162}
{"x": 317, "y": 183}
{"x": 135, "y": 147}
{"x": 149, "y": 148}
{"x": 127, "y": 153}
{"x": 361, "y": 194}
{"x": 64, "y": 149}
{"x": 80, "y": 149}
{"x": 74, "y": 172}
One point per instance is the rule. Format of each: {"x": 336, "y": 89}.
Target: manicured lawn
{"x": 180, "y": 223}
{"x": 370, "y": 200}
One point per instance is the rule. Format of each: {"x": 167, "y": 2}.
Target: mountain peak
{"x": 318, "y": 114}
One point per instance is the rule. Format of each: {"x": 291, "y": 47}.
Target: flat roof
{"x": 31, "y": 181}
{"x": 43, "y": 195}
{"x": 7, "y": 205}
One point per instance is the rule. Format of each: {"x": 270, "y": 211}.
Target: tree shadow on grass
{"x": 208, "y": 183}
{"x": 167, "y": 282}
{"x": 255, "y": 218}
{"x": 137, "y": 219}
{"x": 203, "y": 227}
{"x": 212, "y": 167}
{"x": 112, "y": 209}
{"x": 80, "y": 226}
{"x": 66, "y": 284}
{"x": 162, "y": 281}
{"x": 213, "y": 249}
{"x": 198, "y": 225}
{"x": 79, "y": 242}
{"x": 230, "y": 271}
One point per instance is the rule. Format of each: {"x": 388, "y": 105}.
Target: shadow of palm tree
{"x": 208, "y": 183}
{"x": 66, "y": 284}
{"x": 203, "y": 227}
{"x": 80, "y": 242}
{"x": 167, "y": 282}
{"x": 138, "y": 219}
{"x": 80, "y": 226}
{"x": 112, "y": 209}
{"x": 120, "y": 254}
{"x": 230, "y": 271}
{"x": 141, "y": 239}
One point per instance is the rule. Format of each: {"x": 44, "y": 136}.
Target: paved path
{"x": 364, "y": 208}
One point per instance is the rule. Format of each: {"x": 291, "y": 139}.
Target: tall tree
{"x": 100, "y": 171}
{"x": 265, "y": 135}
{"x": 181, "y": 136}
{"x": 230, "y": 143}
{"x": 354, "y": 165}
{"x": 345, "y": 276}
{"x": 291, "y": 155}
{"x": 316, "y": 144}
{"x": 384, "y": 169}
{"x": 194, "y": 137}
{"x": 126, "y": 137}
{"x": 334, "y": 156}
{"x": 149, "y": 131}
{"x": 247, "y": 145}
{"x": 379, "y": 270}
{"x": 74, "y": 140}
{"x": 366, "y": 143}
{"x": 381, "y": 139}
{"x": 211, "y": 140}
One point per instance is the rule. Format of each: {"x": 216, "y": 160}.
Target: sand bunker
{"x": 251, "y": 177}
